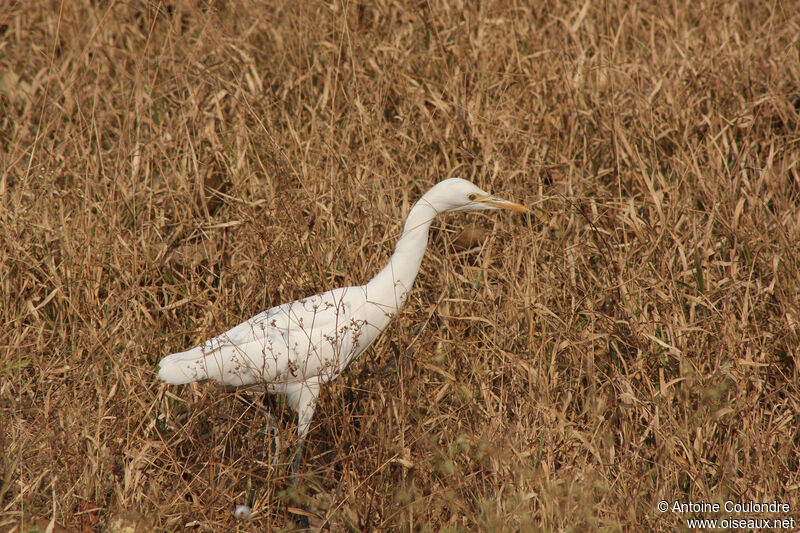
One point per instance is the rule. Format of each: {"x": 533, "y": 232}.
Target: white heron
{"x": 294, "y": 348}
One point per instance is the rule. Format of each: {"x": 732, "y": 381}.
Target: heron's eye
{"x": 472, "y": 196}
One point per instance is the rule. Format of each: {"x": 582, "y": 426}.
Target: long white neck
{"x": 392, "y": 284}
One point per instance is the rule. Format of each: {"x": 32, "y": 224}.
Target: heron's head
{"x": 456, "y": 194}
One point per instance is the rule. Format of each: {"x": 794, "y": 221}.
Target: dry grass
{"x": 169, "y": 169}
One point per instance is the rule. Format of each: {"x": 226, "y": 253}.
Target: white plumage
{"x": 294, "y": 348}
{"x": 290, "y": 349}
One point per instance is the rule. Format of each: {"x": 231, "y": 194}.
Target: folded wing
{"x": 311, "y": 337}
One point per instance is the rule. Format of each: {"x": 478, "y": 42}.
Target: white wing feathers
{"x": 313, "y": 337}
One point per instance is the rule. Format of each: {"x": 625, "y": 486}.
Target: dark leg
{"x": 303, "y": 425}
{"x": 302, "y": 519}
{"x": 298, "y": 460}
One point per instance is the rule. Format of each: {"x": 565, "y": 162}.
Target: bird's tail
{"x": 183, "y": 367}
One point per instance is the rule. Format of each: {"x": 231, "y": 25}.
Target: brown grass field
{"x": 171, "y": 168}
